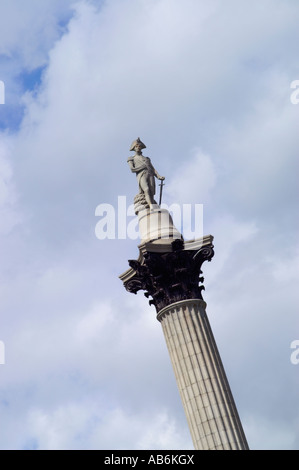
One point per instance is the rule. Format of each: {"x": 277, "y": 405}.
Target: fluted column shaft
{"x": 208, "y": 402}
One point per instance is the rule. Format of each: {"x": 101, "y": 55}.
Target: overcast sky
{"x": 207, "y": 87}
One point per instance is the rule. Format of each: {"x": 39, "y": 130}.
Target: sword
{"x": 161, "y": 190}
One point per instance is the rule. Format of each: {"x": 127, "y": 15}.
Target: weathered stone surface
{"x": 209, "y": 406}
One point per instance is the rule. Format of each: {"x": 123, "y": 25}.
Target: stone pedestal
{"x": 208, "y": 403}
{"x": 156, "y": 224}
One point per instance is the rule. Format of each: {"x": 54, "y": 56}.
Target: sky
{"x": 207, "y": 87}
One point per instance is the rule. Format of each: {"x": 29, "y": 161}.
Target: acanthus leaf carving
{"x": 170, "y": 277}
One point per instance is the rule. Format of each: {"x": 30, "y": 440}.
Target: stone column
{"x": 207, "y": 400}
{"x": 169, "y": 271}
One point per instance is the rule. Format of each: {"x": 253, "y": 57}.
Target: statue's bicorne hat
{"x": 137, "y": 141}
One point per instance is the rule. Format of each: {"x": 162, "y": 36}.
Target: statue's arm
{"x": 135, "y": 169}
{"x": 155, "y": 171}
{"x": 131, "y": 163}
{"x": 158, "y": 176}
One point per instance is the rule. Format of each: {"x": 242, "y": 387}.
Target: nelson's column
{"x": 169, "y": 271}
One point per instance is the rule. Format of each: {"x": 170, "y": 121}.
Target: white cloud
{"x": 211, "y": 101}
{"x": 268, "y": 435}
{"x": 21, "y": 23}
{"x": 9, "y": 216}
{"x": 64, "y": 427}
{"x": 286, "y": 270}
{"x": 58, "y": 430}
{"x": 228, "y": 233}
{"x": 93, "y": 325}
{"x": 194, "y": 180}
